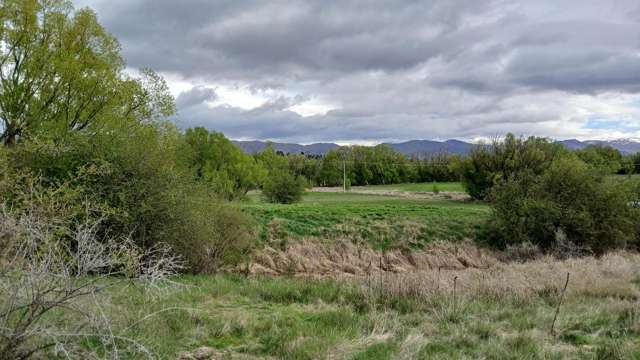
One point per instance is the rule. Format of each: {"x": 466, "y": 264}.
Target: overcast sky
{"x": 371, "y": 71}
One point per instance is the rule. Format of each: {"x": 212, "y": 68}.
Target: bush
{"x": 569, "y": 203}
{"x": 209, "y": 233}
{"x": 136, "y": 187}
{"x": 283, "y": 188}
{"x": 128, "y": 175}
{"x": 487, "y": 165}
{"x": 63, "y": 204}
{"x": 49, "y": 290}
{"x": 605, "y": 158}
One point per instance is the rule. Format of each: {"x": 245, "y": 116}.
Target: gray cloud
{"x": 396, "y": 70}
{"x": 195, "y": 96}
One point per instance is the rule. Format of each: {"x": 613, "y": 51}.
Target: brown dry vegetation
{"x": 343, "y": 257}
{"x": 606, "y": 276}
{"x": 434, "y": 268}
{"x": 504, "y": 311}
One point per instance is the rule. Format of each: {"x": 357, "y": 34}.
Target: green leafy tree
{"x": 331, "y": 169}
{"x": 301, "y": 165}
{"x": 80, "y": 131}
{"x": 272, "y": 160}
{"x": 604, "y": 158}
{"x": 436, "y": 167}
{"x": 281, "y": 183}
{"x": 633, "y": 163}
{"x": 216, "y": 160}
{"x": 62, "y": 72}
{"x": 366, "y": 166}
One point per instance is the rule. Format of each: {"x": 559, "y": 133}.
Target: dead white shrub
{"x": 42, "y": 277}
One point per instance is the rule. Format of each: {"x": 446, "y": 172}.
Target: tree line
{"x": 234, "y": 173}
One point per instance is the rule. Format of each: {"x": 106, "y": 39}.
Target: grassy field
{"x": 418, "y": 187}
{"x": 380, "y": 221}
{"x": 506, "y": 314}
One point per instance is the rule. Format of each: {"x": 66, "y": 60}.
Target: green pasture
{"x": 381, "y": 221}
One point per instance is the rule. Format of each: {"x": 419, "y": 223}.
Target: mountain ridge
{"x": 412, "y": 147}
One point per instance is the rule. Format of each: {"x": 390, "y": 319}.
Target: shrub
{"x": 604, "y": 158}
{"x": 129, "y": 175}
{"x": 208, "y": 232}
{"x": 569, "y": 202}
{"x": 487, "y": 165}
{"x": 23, "y": 192}
{"x": 283, "y": 188}
{"x": 49, "y": 290}
{"x": 347, "y": 184}
{"x": 136, "y": 188}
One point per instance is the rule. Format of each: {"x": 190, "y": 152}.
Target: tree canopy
{"x": 63, "y": 72}
{"x": 217, "y": 161}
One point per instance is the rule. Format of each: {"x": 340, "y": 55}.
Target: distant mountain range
{"x": 625, "y": 146}
{"x": 251, "y": 147}
{"x": 426, "y": 146}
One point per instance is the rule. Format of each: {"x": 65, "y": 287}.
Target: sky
{"x": 373, "y": 71}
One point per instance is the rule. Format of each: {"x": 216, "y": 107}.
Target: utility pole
{"x": 344, "y": 176}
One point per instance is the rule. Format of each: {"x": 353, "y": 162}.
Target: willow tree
{"x": 216, "y": 160}
{"x": 61, "y": 71}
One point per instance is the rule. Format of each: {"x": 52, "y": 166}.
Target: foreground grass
{"x": 379, "y": 221}
{"x": 418, "y": 187}
{"x": 313, "y": 319}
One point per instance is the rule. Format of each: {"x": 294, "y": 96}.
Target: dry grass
{"x": 501, "y": 312}
{"x": 459, "y": 302}
{"x": 606, "y": 276}
{"x": 314, "y": 257}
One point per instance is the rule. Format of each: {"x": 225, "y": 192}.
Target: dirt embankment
{"x": 313, "y": 257}
{"x": 450, "y": 195}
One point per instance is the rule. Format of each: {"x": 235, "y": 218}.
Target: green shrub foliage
{"x": 569, "y": 203}
{"x": 510, "y": 158}
{"x": 210, "y": 233}
{"x": 217, "y": 161}
{"x": 104, "y": 147}
{"x": 283, "y": 187}
{"x": 606, "y": 159}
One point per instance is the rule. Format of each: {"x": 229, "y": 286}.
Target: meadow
{"x": 508, "y": 310}
{"x": 503, "y": 313}
{"x": 417, "y": 187}
{"x": 382, "y": 222}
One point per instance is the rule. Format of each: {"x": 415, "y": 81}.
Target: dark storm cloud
{"x": 216, "y": 38}
{"x": 394, "y": 70}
